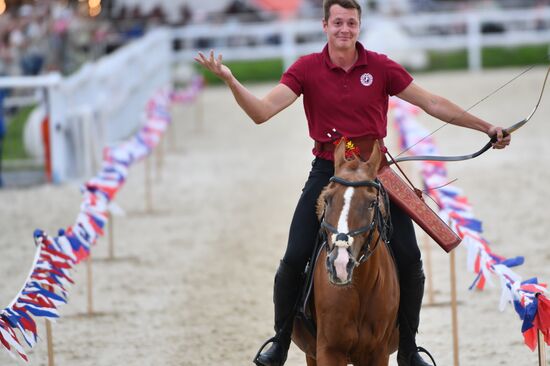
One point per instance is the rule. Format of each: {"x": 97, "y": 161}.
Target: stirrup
{"x": 270, "y": 340}
{"x": 424, "y": 350}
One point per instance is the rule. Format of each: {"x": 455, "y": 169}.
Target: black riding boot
{"x": 412, "y": 291}
{"x": 285, "y": 296}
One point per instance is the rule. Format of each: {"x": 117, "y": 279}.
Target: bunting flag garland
{"x": 527, "y": 297}
{"x": 46, "y": 287}
{"x": 43, "y": 292}
{"x": 9, "y": 340}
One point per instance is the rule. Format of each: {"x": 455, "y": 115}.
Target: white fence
{"x": 102, "y": 103}
{"x": 475, "y": 30}
{"x": 442, "y": 32}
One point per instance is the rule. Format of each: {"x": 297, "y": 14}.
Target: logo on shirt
{"x": 367, "y": 79}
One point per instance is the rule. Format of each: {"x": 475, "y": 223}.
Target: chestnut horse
{"x": 356, "y": 288}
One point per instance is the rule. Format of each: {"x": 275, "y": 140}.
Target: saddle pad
{"x": 403, "y": 196}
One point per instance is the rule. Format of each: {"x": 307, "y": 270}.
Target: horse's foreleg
{"x": 310, "y": 361}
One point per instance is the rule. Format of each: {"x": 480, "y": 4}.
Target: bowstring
{"x": 469, "y": 109}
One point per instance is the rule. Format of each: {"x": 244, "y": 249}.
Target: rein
{"x": 383, "y": 224}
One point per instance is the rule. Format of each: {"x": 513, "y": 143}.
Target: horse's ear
{"x": 375, "y": 158}
{"x": 340, "y": 154}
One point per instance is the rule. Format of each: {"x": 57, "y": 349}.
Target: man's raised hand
{"x": 215, "y": 65}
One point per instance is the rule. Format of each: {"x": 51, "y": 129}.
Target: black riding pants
{"x": 305, "y": 225}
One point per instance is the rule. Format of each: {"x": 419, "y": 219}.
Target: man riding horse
{"x": 345, "y": 92}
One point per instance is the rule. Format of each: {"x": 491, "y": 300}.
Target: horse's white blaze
{"x": 342, "y": 258}
{"x": 343, "y": 220}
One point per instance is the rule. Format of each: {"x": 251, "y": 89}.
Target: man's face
{"x": 342, "y": 27}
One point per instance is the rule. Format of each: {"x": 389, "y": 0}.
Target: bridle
{"x": 383, "y": 224}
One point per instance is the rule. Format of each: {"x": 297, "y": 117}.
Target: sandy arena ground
{"x": 191, "y": 282}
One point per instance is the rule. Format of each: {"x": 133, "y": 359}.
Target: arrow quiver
{"x": 408, "y": 200}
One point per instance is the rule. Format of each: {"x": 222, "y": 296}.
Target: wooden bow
{"x": 506, "y": 132}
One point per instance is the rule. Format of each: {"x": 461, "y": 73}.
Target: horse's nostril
{"x": 341, "y": 237}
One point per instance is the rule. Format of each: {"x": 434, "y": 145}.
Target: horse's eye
{"x": 372, "y": 205}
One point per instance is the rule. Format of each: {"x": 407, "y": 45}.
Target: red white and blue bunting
{"x": 46, "y": 287}
{"x": 527, "y": 296}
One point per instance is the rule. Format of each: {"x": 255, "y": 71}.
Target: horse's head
{"x": 353, "y": 208}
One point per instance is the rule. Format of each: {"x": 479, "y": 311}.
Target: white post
{"x": 56, "y": 113}
{"x": 288, "y": 35}
{"x": 475, "y": 62}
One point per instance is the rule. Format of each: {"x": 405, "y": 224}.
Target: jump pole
{"x": 49, "y": 340}
{"x": 171, "y": 131}
{"x": 199, "y": 111}
{"x": 160, "y": 159}
{"x": 541, "y": 349}
{"x": 90, "y": 284}
{"x": 111, "y": 235}
{"x": 541, "y": 344}
{"x": 148, "y": 193}
{"x": 454, "y": 309}
{"x": 429, "y": 276}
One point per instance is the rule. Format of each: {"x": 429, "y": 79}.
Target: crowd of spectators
{"x": 34, "y": 38}
{"x": 60, "y": 35}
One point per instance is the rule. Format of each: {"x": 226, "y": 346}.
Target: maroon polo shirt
{"x": 354, "y": 103}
